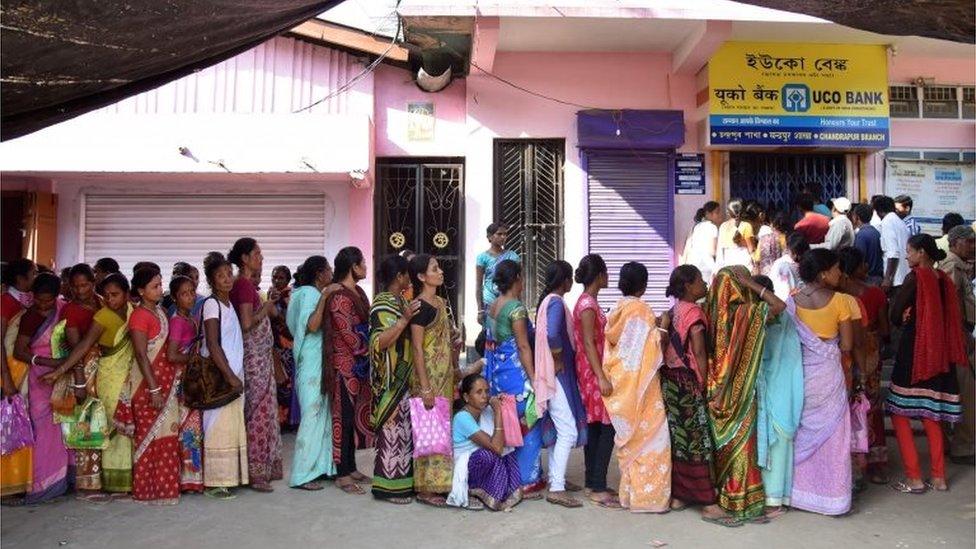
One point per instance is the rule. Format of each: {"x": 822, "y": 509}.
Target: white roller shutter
{"x": 167, "y": 228}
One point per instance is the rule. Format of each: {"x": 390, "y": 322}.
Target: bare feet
{"x": 678, "y": 505}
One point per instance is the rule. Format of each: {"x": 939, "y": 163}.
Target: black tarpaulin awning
{"x": 62, "y": 59}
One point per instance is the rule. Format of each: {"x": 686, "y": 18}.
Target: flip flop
{"x": 97, "y": 498}
{"x": 399, "y": 501}
{"x": 681, "y": 507}
{"x": 728, "y": 522}
{"x": 352, "y": 488}
{"x": 905, "y": 488}
{"x": 780, "y": 511}
{"x": 930, "y": 486}
{"x": 219, "y": 493}
{"x": 474, "y": 505}
{"x": 360, "y": 478}
{"x": 609, "y": 502}
{"x": 433, "y": 501}
{"x": 262, "y": 487}
{"x": 563, "y": 499}
{"x": 309, "y": 486}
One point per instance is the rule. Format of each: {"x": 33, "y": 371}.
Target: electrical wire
{"x": 365, "y": 72}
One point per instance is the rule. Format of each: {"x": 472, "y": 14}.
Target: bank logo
{"x": 796, "y": 98}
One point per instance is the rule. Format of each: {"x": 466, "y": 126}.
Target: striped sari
{"x": 736, "y": 333}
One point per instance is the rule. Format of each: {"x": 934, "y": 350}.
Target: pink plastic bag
{"x": 15, "y": 425}
{"x": 431, "y": 428}
{"x": 859, "y": 423}
{"x": 510, "y": 422}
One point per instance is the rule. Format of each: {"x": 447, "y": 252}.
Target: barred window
{"x": 903, "y": 101}
{"x": 969, "y": 102}
{"x": 940, "y": 102}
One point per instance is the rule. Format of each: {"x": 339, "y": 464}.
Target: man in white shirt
{"x": 841, "y": 231}
{"x": 903, "y": 207}
{"x": 894, "y": 244}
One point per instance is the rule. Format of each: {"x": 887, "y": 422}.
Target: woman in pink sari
{"x": 260, "y": 397}
{"x": 33, "y": 346}
{"x": 822, "y": 444}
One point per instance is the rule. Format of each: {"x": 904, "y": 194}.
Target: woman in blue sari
{"x": 313, "y": 444}
{"x": 509, "y": 369}
{"x": 780, "y": 391}
{"x": 487, "y": 262}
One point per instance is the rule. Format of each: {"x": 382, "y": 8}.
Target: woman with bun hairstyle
{"x": 510, "y": 369}
{"x": 313, "y": 443}
{"x": 632, "y": 361}
{"x": 260, "y": 398}
{"x": 822, "y": 444}
{"x": 555, "y": 383}
{"x": 109, "y": 329}
{"x": 683, "y": 387}
{"x": 589, "y": 326}
{"x": 149, "y": 411}
{"x": 345, "y": 368}
{"x": 923, "y": 383}
{"x": 702, "y": 244}
{"x": 224, "y": 432}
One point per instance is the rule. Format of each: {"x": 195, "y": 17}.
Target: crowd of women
{"x": 741, "y": 399}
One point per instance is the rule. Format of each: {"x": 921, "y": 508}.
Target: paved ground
{"x": 292, "y": 518}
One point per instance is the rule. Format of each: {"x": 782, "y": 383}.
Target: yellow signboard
{"x": 799, "y": 94}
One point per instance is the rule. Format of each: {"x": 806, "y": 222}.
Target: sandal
{"x": 351, "y": 488}
{"x": 98, "y": 498}
{"x": 360, "y": 478}
{"x": 219, "y": 493}
{"x": 608, "y": 502}
{"x": 433, "y": 501}
{"x": 680, "y": 507}
{"x": 564, "y": 499}
{"x": 399, "y": 501}
{"x": 310, "y": 486}
{"x": 776, "y": 513}
{"x": 726, "y": 521}
{"x": 905, "y": 488}
{"x": 931, "y": 486}
{"x": 262, "y": 487}
{"x": 474, "y": 505}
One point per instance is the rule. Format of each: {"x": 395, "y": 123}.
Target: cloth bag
{"x": 204, "y": 386}
{"x": 88, "y": 429}
{"x": 510, "y": 421}
{"x": 859, "y": 423}
{"x": 15, "y": 425}
{"x": 431, "y": 428}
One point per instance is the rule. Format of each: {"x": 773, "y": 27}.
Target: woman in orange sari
{"x": 15, "y": 468}
{"x": 153, "y": 416}
{"x": 636, "y": 405}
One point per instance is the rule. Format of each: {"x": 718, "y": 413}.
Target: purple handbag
{"x": 15, "y": 425}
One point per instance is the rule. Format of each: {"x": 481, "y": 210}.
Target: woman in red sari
{"x": 152, "y": 415}
{"x": 345, "y": 363}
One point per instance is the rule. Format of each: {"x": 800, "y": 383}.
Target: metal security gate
{"x": 175, "y": 227}
{"x": 774, "y": 180}
{"x": 631, "y": 217}
{"x": 419, "y": 207}
{"x": 528, "y": 198}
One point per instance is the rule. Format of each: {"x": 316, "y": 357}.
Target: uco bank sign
{"x": 798, "y": 95}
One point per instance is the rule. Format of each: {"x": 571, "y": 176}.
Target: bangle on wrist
{"x": 426, "y": 391}
{"x": 33, "y": 360}
{"x": 762, "y": 293}
{"x": 155, "y": 389}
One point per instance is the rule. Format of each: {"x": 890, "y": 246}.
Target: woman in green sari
{"x": 110, "y": 330}
{"x": 433, "y": 371}
{"x": 313, "y": 444}
{"x": 391, "y": 366}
